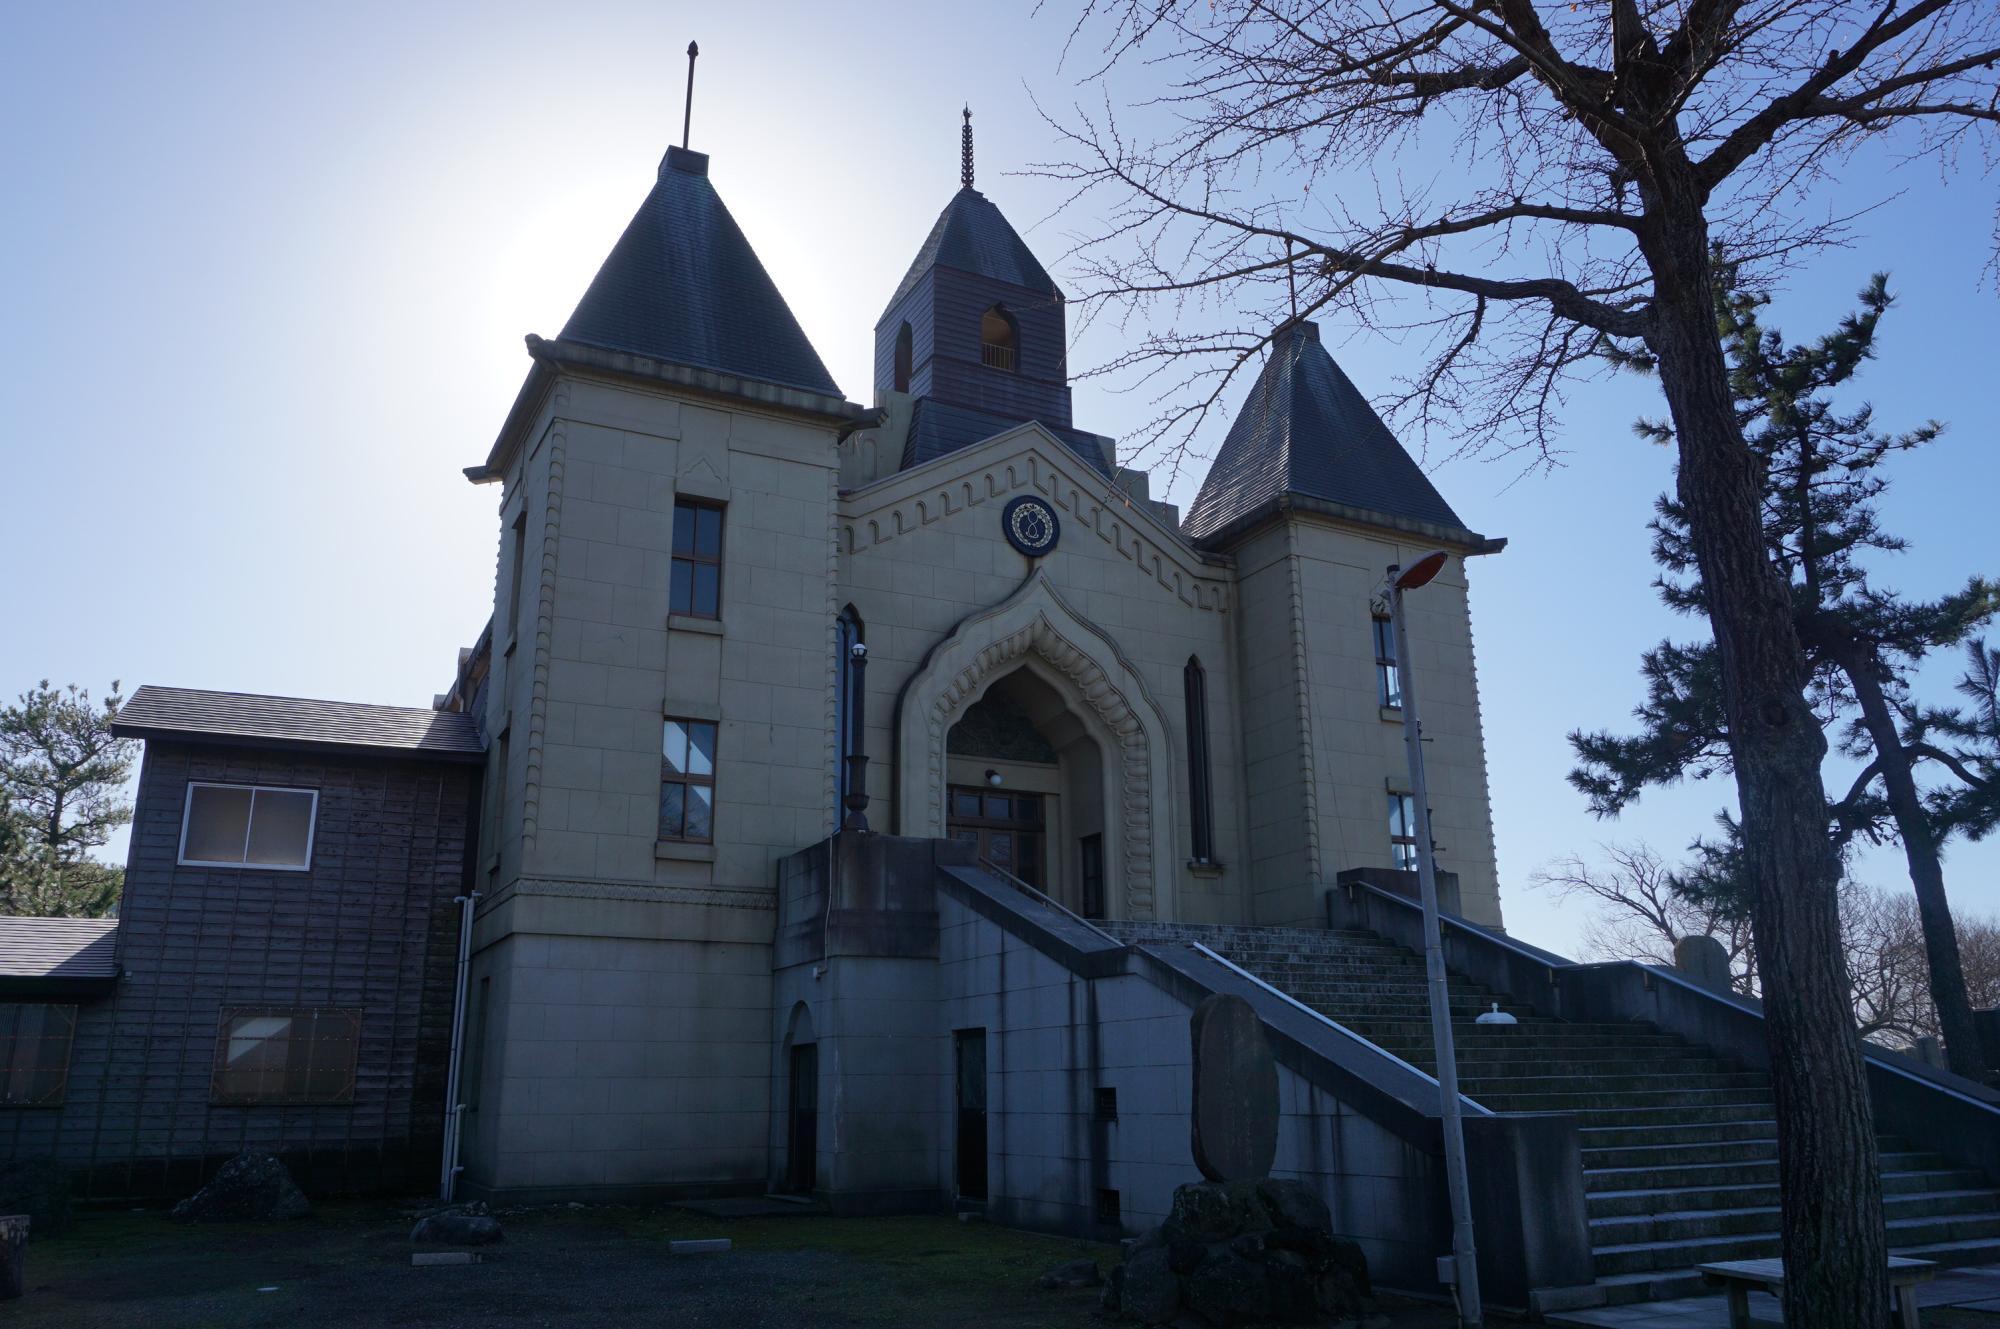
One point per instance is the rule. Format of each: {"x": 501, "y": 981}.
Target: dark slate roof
{"x": 938, "y": 428}
{"x": 58, "y": 947}
{"x": 1306, "y": 431}
{"x": 972, "y": 236}
{"x": 682, "y": 285}
{"x": 400, "y": 731}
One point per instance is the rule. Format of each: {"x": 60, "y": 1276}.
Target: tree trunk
{"x": 1830, "y": 1189}
{"x": 1954, "y": 1008}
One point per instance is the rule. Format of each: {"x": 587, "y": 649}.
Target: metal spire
{"x": 687, "y": 116}
{"x": 965, "y": 151}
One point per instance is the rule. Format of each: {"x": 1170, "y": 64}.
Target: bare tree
{"x": 1572, "y": 172}
{"x": 1638, "y": 915}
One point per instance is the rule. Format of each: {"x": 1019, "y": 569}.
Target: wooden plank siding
{"x": 371, "y": 926}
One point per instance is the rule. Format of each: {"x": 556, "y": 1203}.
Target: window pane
{"x": 701, "y": 747}
{"x": 681, "y": 599}
{"x": 708, "y": 532}
{"x": 684, "y": 514}
{"x": 1385, "y": 640}
{"x": 707, "y": 590}
{"x": 674, "y": 748}
{"x": 280, "y": 827}
{"x": 34, "y": 1052}
{"x": 673, "y": 799}
{"x": 964, "y": 804}
{"x": 700, "y": 812}
{"x": 218, "y": 818}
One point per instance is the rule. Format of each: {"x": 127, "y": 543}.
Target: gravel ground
{"x": 579, "y": 1268}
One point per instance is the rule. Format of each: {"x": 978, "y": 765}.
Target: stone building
{"x": 855, "y": 800}
{"x": 1144, "y": 717}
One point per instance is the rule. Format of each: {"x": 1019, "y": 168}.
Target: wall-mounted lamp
{"x": 993, "y": 778}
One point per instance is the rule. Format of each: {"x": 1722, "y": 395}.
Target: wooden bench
{"x": 1737, "y": 1277}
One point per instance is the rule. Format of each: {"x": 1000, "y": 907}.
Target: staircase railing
{"x": 1959, "y": 1117}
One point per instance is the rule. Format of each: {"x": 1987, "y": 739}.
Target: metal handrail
{"x": 1046, "y": 899}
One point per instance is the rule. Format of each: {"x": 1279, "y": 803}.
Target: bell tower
{"x": 977, "y": 332}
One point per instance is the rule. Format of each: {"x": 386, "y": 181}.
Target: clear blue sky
{"x": 266, "y": 271}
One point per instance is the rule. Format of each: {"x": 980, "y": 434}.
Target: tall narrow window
{"x": 1403, "y": 830}
{"x": 999, "y": 338}
{"x": 518, "y": 590}
{"x": 848, "y": 701}
{"x": 697, "y": 570}
{"x": 904, "y": 357}
{"x": 1388, "y": 682}
{"x": 1201, "y": 805}
{"x": 687, "y": 781}
{"x": 34, "y": 1052}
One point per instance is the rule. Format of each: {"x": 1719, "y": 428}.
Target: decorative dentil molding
{"x": 1086, "y": 505}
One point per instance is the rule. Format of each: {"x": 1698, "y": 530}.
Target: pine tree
{"x": 1821, "y": 476}
{"x": 62, "y": 794}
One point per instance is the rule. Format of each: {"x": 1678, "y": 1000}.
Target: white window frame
{"x": 187, "y": 814}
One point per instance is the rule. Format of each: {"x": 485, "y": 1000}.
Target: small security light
{"x": 859, "y": 650}
{"x": 1420, "y": 572}
{"x": 993, "y": 778}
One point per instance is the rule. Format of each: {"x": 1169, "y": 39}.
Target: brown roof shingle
{"x": 58, "y": 947}
{"x": 156, "y": 712}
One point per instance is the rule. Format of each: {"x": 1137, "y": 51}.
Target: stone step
{"x": 1631, "y": 1206}
{"x": 1749, "y": 1127}
{"x": 1942, "y": 1208}
{"x": 1675, "y": 1155}
{"x": 1968, "y": 1233}
{"x": 1626, "y": 1118}
{"x": 1604, "y": 1100}
{"x": 1536, "y": 1080}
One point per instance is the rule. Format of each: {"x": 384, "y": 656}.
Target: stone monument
{"x": 13, "y": 1256}
{"x": 1704, "y": 960}
{"x": 1241, "y": 1247}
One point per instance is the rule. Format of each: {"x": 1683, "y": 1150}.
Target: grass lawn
{"x": 349, "y": 1265}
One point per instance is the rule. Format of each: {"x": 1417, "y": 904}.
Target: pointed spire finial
{"x": 687, "y": 116}
{"x": 965, "y": 151}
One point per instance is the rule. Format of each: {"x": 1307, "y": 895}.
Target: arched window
{"x": 1201, "y": 809}
{"x": 999, "y": 338}
{"x": 902, "y": 378}
{"x": 848, "y": 698}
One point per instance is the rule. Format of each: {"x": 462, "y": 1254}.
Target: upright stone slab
{"x": 13, "y": 1256}
{"x": 1704, "y": 960}
{"x": 1235, "y": 1092}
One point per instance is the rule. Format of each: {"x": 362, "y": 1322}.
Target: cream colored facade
{"x": 620, "y": 1021}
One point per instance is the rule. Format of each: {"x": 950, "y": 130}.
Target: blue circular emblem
{"x": 1030, "y": 524}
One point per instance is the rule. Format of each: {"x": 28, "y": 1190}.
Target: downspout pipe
{"x": 454, "y": 1114}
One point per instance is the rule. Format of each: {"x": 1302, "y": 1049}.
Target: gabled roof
{"x": 683, "y": 286}
{"x": 67, "y": 948}
{"x": 972, "y": 236}
{"x": 259, "y": 721}
{"x": 1306, "y": 432}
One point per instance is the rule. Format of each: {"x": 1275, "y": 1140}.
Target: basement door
{"x": 802, "y": 1127}
{"x": 969, "y": 1048}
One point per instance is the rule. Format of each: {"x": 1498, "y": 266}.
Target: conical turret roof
{"x": 683, "y": 286}
{"x": 972, "y": 235}
{"x": 1305, "y": 431}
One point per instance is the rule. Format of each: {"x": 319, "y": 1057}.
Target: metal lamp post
{"x": 1465, "y": 1259}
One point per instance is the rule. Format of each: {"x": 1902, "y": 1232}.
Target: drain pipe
{"x": 454, "y": 1113}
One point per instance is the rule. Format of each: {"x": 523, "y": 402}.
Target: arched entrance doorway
{"x": 1058, "y": 679}
{"x": 1026, "y": 789}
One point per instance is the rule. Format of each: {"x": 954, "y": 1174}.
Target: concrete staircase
{"x": 1679, "y": 1144}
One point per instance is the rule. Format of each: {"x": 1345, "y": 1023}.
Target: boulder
{"x": 250, "y": 1187}
{"x": 1240, "y": 1253}
{"x": 1077, "y": 1273}
{"x": 1151, "y": 1291}
{"x": 38, "y": 1188}
{"x": 456, "y": 1227}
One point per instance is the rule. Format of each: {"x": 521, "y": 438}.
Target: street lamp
{"x": 1465, "y": 1259}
